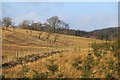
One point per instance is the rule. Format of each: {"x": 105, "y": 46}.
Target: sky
{"x": 86, "y": 16}
{"x": 60, "y": 0}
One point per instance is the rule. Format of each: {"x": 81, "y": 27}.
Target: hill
{"x": 24, "y": 54}
{"x": 103, "y": 34}
{"x": 20, "y": 40}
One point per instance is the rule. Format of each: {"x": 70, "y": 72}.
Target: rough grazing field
{"x": 69, "y": 53}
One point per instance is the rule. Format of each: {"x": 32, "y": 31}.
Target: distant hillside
{"x": 107, "y": 33}
{"x": 103, "y": 34}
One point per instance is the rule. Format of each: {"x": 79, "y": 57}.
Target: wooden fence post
{"x": 17, "y": 55}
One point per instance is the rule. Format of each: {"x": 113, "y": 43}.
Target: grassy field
{"x": 19, "y": 43}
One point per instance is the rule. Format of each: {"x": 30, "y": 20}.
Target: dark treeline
{"x": 55, "y": 25}
{"x": 103, "y": 34}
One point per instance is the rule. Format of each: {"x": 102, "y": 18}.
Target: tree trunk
{"x": 55, "y": 38}
{"x": 40, "y": 35}
{"x": 6, "y": 27}
{"x": 48, "y": 36}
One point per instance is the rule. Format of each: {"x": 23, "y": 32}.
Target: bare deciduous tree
{"x": 7, "y": 21}
{"x": 55, "y": 25}
{"x": 54, "y": 22}
{"x": 48, "y": 29}
{"x": 26, "y": 24}
{"x": 37, "y": 26}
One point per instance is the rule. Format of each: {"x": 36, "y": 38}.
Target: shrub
{"x": 25, "y": 70}
{"x": 89, "y": 60}
{"x": 86, "y": 72}
{"x": 60, "y": 75}
{"x": 111, "y": 64}
{"x": 88, "y": 64}
{"x": 109, "y": 75}
{"x": 39, "y": 75}
{"x": 77, "y": 62}
{"x": 99, "y": 49}
{"x": 52, "y": 67}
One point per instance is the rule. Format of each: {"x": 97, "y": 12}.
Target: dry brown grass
{"x": 21, "y": 41}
